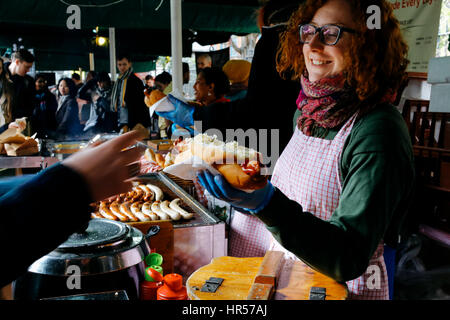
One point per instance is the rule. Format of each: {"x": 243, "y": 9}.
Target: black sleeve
{"x": 84, "y": 91}
{"x": 38, "y": 216}
{"x": 51, "y": 112}
{"x": 222, "y": 116}
{"x": 70, "y": 121}
{"x": 134, "y": 97}
{"x": 24, "y": 96}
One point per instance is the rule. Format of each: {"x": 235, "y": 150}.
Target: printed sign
{"x": 419, "y": 21}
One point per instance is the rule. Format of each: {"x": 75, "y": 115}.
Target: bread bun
{"x": 160, "y": 160}
{"x": 149, "y": 155}
{"x": 12, "y": 135}
{"x": 239, "y": 179}
{"x": 28, "y": 147}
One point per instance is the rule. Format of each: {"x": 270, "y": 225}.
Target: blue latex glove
{"x": 176, "y": 132}
{"x": 183, "y": 115}
{"x": 221, "y": 189}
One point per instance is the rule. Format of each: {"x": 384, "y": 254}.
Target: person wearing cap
{"x": 238, "y": 72}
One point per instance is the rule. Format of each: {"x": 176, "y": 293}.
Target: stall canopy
{"x": 142, "y": 28}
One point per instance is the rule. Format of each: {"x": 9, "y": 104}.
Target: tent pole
{"x": 112, "y": 53}
{"x": 91, "y": 62}
{"x": 177, "y": 47}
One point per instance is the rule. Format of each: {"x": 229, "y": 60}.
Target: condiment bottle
{"x": 172, "y": 288}
{"x": 153, "y": 281}
{"x": 153, "y": 259}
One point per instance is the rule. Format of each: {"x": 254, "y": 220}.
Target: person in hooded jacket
{"x": 101, "y": 118}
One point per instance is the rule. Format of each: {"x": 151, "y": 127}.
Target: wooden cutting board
{"x": 260, "y": 278}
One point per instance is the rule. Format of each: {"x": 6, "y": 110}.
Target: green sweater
{"x": 378, "y": 176}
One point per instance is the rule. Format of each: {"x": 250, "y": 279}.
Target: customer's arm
{"x": 44, "y": 211}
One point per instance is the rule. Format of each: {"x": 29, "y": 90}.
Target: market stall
{"x": 186, "y": 243}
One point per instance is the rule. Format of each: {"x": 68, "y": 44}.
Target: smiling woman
{"x": 360, "y": 52}
{"x": 342, "y": 186}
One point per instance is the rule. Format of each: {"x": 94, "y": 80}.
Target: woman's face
{"x": 40, "y": 84}
{"x": 203, "y": 91}
{"x": 63, "y": 88}
{"x": 324, "y": 60}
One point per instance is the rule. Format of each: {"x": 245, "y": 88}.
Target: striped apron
{"x": 308, "y": 173}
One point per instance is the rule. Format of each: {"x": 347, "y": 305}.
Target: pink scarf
{"x": 327, "y": 103}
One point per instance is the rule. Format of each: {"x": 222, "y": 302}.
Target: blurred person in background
{"x": 149, "y": 82}
{"x": 67, "y": 119}
{"x": 91, "y": 75}
{"x": 203, "y": 61}
{"x": 84, "y": 105}
{"x": 238, "y": 72}
{"x": 186, "y": 73}
{"x": 23, "y": 84}
{"x": 127, "y": 97}
{"x": 6, "y": 98}
{"x": 209, "y": 89}
{"x": 163, "y": 83}
{"x": 43, "y": 119}
{"x": 98, "y": 92}
{"x": 77, "y": 80}
{"x": 211, "y": 86}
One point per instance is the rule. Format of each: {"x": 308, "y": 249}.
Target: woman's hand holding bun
{"x": 221, "y": 189}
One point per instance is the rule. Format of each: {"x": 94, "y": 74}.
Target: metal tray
{"x": 171, "y": 191}
{"x": 63, "y": 149}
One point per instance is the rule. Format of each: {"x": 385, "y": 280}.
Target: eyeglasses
{"x": 328, "y": 34}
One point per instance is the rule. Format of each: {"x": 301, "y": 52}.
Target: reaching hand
{"x": 107, "y": 167}
{"x": 182, "y": 115}
{"x": 221, "y": 189}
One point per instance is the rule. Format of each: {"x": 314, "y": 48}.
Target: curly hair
{"x": 376, "y": 60}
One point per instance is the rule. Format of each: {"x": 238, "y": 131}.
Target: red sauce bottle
{"x": 172, "y": 288}
{"x": 149, "y": 287}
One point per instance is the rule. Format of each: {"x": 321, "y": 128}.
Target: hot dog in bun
{"x": 239, "y": 165}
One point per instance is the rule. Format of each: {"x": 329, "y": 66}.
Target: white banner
{"x": 419, "y": 22}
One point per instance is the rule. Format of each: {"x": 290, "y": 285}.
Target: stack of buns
{"x": 14, "y": 143}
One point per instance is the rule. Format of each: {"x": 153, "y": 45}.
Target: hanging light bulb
{"x": 101, "y": 41}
